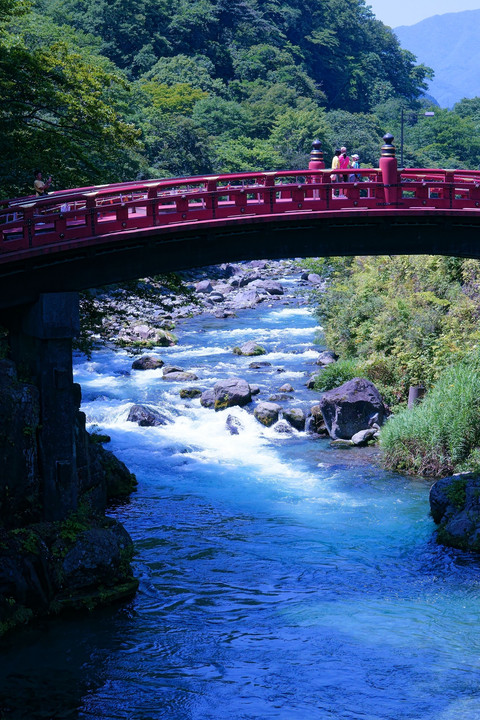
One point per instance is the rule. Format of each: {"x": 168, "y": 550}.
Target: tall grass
{"x": 442, "y": 434}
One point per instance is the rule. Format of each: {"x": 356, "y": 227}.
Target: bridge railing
{"x": 101, "y": 213}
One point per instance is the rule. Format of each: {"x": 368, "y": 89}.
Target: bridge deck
{"x": 155, "y": 226}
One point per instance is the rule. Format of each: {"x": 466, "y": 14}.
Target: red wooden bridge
{"x": 52, "y": 246}
{"x": 85, "y": 237}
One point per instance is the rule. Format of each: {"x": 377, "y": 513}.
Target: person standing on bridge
{"x": 335, "y": 166}
{"x": 355, "y": 165}
{"x": 344, "y": 161}
{"x": 39, "y": 185}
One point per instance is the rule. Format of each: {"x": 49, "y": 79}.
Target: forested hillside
{"x": 103, "y": 90}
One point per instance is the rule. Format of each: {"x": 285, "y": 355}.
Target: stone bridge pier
{"x": 41, "y": 346}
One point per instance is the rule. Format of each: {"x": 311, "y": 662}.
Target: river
{"x": 279, "y": 577}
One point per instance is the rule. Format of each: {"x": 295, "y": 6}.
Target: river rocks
{"x": 295, "y": 417}
{"x": 204, "y": 286}
{"x": 231, "y": 392}
{"x": 312, "y": 380}
{"x": 190, "y": 393}
{"x": 283, "y": 428}
{"x": 327, "y": 357}
{"x": 260, "y": 365}
{"x": 352, "y": 407}
{"x": 267, "y": 413}
{"x": 207, "y": 399}
{"x": 245, "y": 300}
{"x": 254, "y": 390}
{"x": 315, "y": 423}
{"x": 118, "y": 481}
{"x": 286, "y": 388}
{"x": 312, "y": 278}
{"x": 233, "y": 425}
{"x": 95, "y": 557}
{"x": 145, "y": 416}
{"x": 364, "y": 436}
{"x": 270, "y": 287}
{"x": 180, "y": 377}
{"x": 148, "y": 336}
{"x": 250, "y": 348}
{"x": 171, "y": 373}
{"x": 455, "y": 508}
{"x": 147, "y": 362}
{"x": 249, "y": 278}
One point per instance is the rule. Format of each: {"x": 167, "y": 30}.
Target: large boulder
{"x": 230, "y": 392}
{"x": 249, "y": 278}
{"x": 354, "y": 406}
{"x": 147, "y": 362}
{"x": 145, "y": 416}
{"x": 247, "y": 299}
{"x": 327, "y": 357}
{"x": 207, "y": 399}
{"x": 295, "y": 417}
{"x": 146, "y": 335}
{"x": 269, "y": 286}
{"x": 203, "y": 287}
{"x": 250, "y": 348}
{"x": 267, "y": 413}
{"x": 455, "y": 507}
{"x": 180, "y": 376}
{"x": 172, "y": 373}
{"x": 190, "y": 393}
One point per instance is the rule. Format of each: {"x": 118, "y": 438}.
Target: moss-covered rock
{"x": 455, "y": 507}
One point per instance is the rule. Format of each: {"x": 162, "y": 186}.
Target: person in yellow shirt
{"x": 334, "y": 178}
{"x": 335, "y": 166}
{"x": 39, "y": 185}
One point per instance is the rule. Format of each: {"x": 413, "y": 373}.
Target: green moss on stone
{"x": 456, "y": 492}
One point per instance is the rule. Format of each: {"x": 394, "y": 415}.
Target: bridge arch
{"x": 88, "y": 237}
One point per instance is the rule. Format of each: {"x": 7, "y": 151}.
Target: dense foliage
{"x": 102, "y": 90}
{"x": 402, "y": 321}
{"x": 403, "y": 318}
{"x": 442, "y": 435}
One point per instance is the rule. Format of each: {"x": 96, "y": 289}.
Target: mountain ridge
{"x": 449, "y": 44}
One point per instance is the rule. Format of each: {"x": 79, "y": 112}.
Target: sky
{"x": 409, "y": 12}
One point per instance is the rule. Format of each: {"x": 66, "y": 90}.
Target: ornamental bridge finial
{"x": 388, "y": 150}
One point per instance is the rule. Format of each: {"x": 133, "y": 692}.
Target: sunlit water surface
{"x": 279, "y": 577}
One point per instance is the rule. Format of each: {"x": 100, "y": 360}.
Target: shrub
{"x": 337, "y": 373}
{"x": 442, "y": 434}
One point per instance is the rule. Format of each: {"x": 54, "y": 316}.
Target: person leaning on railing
{"x": 40, "y": 187}
{"x": 355, "y": 165}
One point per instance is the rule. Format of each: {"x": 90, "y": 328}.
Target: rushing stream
{"x": 280, "y": 577}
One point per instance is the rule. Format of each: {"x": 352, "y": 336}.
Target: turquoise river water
{"x": 280, "y": 578}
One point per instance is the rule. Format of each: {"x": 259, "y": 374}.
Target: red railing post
{"x": 28, "y": 225}
{"x": 211, "y": 200}
{"x": 389, "y": 168}
{"x": 121, "y": 214}
{"x": 474, "y": 194}
{"x": 91, "y": 211}
{"x": 151, "y": 209}
{"x": 61, "y": 225}
{"x": 241, "y": 200}
{"x": 316, "y": 163}
{"x": 182, "y": 206}
{"x": 269, "y": 195}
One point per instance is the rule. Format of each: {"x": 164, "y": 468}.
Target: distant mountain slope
{"x": 450, "y": 44}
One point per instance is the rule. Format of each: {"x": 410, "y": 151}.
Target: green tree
{"x": 66, "y": 119}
